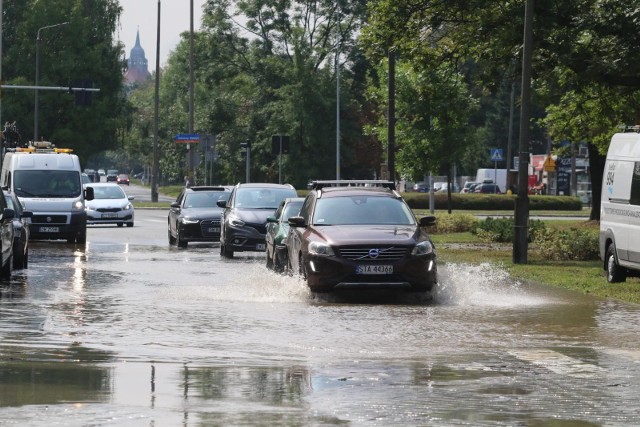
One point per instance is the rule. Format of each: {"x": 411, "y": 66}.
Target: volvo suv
{"x": 360, "y": 235}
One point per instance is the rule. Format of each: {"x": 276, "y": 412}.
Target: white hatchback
{"x": 110, "y": 205}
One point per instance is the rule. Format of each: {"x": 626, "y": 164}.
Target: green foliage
{"x": 501, "y": 229}
{"x": 455, "y": 223}
{"x": 577, "y": 244}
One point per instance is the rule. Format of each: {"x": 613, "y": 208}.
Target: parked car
{"x": 6, "y": 237}
{"x": 487, "y": 188}
{"x": 277, "y": 231}
{"x": 123, "y": 178}
{"x": 101, "y": 172}
{"x": 360, "y": 237}
{"x": 421, "y": 187}
{"x": 112, "y": 175}
{"x": 445, "y": 187}
{"x": 195, "y": 215}
{"x": 244, "y": 219}
{"x": 21, "y": 231}
{"x": 468, "y": 185}
{"x": 110, "y": 205}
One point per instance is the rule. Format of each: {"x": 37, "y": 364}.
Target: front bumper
{"x": 411, "y": 273}
{"x": 58, "y": 225}
{"x": 202, "y": 231}
{"x": 244, "y": 239}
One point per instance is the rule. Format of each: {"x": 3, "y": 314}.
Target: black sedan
{"x": 21, "y": 232}
{"x": 195, "y": 215}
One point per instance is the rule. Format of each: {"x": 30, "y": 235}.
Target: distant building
{"x": 137, "y": 65}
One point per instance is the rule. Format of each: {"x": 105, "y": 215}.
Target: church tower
{"x": 137, "y": 65}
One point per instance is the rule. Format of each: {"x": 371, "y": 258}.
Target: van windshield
{"x": 47, "y": 183}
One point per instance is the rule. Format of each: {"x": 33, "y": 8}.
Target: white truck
{"x": 620, "y": 207}
{"x": 48, "y": 181}
{"x": 498, "y": 176}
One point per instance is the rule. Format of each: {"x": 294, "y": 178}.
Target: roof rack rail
{"x": 317, "y": 185}
{"x": 630, "y": 128}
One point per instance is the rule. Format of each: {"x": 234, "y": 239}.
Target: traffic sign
{"x": 549, "y": 164}
{"x": 187, "y": 138}
{"x": 496, "y": 154}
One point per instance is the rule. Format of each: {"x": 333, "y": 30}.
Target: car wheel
{"x": 278, "y": 262}
{"x": 224, "y": 252}
{"x": 129, "y": 224}
{"x": 269, "y": 260}
{"x": 615, "y": 273}
{"x": 82, "y": 238}
{"x": 302, "y": 270}
{"x": 120, "y": 224}
{"x": 181, "y": 243}
{"x": 25, "y": 261}
{"x": 5, "y": 273}
{"x": 18, "y": 260}
{"x": 172, "y": 240}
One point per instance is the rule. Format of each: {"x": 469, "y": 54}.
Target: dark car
{"x": 92, "y": 175}
{"x": 487, "y": 188}
{"x": 6, "y": 237}
{"x": 195, "y": 215}
{"x": 277, "y": 231}
{"x": 244, "y": 219}
{"x": 112, "y": 175}
{"x": 21, "y": 231}
{"x": 355, "y": 237}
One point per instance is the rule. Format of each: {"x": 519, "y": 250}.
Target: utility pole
{"x": 156, "y": 108}
{"x": 192, "y": 151}
{"x": 520, "y": 244}
{"x": 391, "y": 117}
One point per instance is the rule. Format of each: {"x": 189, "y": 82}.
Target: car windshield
{"x": 108, "y": 193}
{"x": 47, "y": 183}
{"x": 262, "y": 198}
{"x": 207, "y": 199}
{"x": 362, "y": 209}
{"x": 292, "y": 209}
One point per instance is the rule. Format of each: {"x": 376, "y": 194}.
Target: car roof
{"x": 208, "y": 188}
{"x": 102, "y": 184}
{"x": 356, "y": 191}
{"x": 264, "y": 185}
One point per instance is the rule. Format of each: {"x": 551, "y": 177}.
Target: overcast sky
{"x": 143, "y": 15}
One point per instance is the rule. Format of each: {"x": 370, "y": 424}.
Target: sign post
{"x": 496, "y": 156}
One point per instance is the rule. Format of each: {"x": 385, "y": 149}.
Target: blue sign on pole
{"x": 496, "y": 154}
{"x": 187, "y": 138}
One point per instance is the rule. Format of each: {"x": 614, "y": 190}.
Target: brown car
{"x": 359, "y": 235}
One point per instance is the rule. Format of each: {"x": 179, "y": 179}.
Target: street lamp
{"x": 35, "y": 111}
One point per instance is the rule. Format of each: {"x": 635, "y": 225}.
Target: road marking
{"x": 558, "y": 362}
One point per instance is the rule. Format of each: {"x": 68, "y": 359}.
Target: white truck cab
{"x": 47, "y": 180}
{"x": 620, "y": 207}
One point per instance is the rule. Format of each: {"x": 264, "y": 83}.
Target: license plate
{"x": 260, "y": 246}
{"x": 109, "y": 215}
{"x": 49, "y": 229}
{"x": 213, "y": 229}
{"x": 374, "y": 269}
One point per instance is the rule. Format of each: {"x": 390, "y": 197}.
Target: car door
{"x": 174, "y": 212}
{"x": 7, "y": 232}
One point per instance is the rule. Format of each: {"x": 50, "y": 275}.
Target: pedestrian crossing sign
{"x": 496, "y": 154}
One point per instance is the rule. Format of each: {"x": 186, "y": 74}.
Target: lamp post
{"x": 35, "y": 111}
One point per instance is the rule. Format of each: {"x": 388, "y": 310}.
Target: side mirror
{"x": 8, "y": 214}
{"x": 175, "y": 205}
{"x": 272, "y": 219}
{"x": 88, "y": 193}
{"x": 296, "y": 221}
{"x": 222, "y": 203}
{"x": 426, "y": 221}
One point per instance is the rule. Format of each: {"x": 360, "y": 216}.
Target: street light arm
{"x": 50, "y": 26}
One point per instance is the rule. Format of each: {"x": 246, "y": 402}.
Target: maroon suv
{"x": 360, "y": 235}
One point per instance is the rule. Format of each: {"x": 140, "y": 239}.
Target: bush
{"x": 569, "y": 245}
{"x": 454, "y": 223}
{"x": 462, "y": 201}
{"x": 501, "y": 229}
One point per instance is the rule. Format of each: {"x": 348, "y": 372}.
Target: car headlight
{"x": 322, "y": 249}
{"x": 235, "y": 221}
{"x": 77, "y": 206}
{"x": 189, "y": 221}
{"x": 423, "y": 248}
{"x": 128, "y": 207}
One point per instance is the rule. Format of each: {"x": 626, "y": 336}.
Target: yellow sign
{"x": 549, "y": 164}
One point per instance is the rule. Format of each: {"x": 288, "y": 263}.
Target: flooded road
{"x": 132, "y": 332}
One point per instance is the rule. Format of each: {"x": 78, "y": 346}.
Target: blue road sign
{"x": 496, "y": 154}
{"x": 187, "y": 138}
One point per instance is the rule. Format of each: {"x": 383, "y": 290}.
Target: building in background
{"x": 137, "y": 65}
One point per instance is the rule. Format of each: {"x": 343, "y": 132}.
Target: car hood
{"x": 107, "y": 203}
{"x": 254, "y": 216}
{"x": 367, "y": 234}
{"x": 202, "y": 213}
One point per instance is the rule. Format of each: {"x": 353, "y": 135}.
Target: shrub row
{"x": 461, "y": 201}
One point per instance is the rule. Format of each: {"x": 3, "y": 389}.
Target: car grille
{"x": 109, "y": 209}
{"x": 205, "y": 225}
{"x": 364, "y": 253}
{"x": 54, "y": 219}
{"x": 261, "y": 228}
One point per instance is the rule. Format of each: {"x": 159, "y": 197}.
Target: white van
{"x": 620, "y": 207}
{"x": 48, "y": 182}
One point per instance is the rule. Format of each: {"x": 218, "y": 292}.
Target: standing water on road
{"x": 141, "y": 333}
